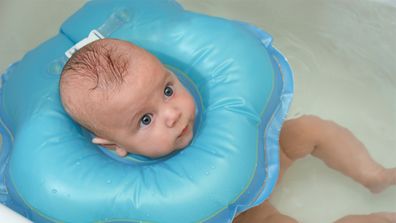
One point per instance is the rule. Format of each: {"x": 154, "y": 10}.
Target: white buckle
{"x": 93, "y": 36}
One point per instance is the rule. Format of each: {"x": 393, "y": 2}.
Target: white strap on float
{"x": 9, "y": 216}
{"x": 115, "y": 21}
{"x": 93, "y": 36}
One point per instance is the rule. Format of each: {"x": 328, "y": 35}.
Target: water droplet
{"x": 108, "y": 181}
{"x": 56, "y": 66}
{"x": 212, "y": 167}
{"x": 54, "y": 191}
{"x": 3, "y": 189}
{"x": 206, "y": 173}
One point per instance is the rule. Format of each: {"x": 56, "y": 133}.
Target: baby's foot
{"x": 388, "y": 217}
{"x": 383, "y": 180}
{"x": 379, "y": 217}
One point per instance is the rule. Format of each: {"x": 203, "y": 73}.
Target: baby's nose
{"x": 172, "y": 116}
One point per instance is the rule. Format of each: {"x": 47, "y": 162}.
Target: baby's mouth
{"x": 184, "y": 131}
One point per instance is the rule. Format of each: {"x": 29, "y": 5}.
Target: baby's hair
{"x": 101, "y": 62}
{"x": 96, "y": 69}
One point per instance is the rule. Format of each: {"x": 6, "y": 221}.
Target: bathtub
{"x": 342, "y": 55}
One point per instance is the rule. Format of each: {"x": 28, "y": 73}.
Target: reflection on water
{"x": 342, "y": 54}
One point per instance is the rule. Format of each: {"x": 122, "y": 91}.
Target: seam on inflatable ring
{"x": 277, "y": 112}
{"x": 123, "y": 220}
{"x": 5, "y": 153}
{"x": 2, "y": 123}
{"x": 265, "y": 148}
{"x": 287, "y": 90}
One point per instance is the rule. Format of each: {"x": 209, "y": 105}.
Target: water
{"x": 342, "y": 54}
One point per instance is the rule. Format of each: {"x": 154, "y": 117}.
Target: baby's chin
{"x": 170, "y": 150}
{"x": 183, "y": 146}
{"x": 186, "y": 140}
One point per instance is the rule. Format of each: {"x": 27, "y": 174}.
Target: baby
{"x": 133, "y": 104}
{"x": 128, "y": 99}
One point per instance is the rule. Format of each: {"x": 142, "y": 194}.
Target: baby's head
{"x": 127, "y": 98}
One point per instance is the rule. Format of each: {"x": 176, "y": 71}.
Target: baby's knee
{"x": 300, "y": 136}
{"x": 303, "y": 129}
{"x": 307, "y": 120}
{"x": 309, "y": 128}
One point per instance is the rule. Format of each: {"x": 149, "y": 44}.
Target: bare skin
{"x": 340, "y": 150}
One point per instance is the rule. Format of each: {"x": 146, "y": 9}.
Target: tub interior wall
{"x": 343, "y": 57}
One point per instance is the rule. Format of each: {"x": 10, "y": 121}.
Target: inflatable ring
{"x": 242, "y": 87}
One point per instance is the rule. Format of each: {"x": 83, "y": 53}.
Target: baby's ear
{"x": 120, "y": 151}
{"x": 110, "y": 145}
{"x": 101, "y": 141}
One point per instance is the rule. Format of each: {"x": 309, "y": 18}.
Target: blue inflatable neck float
{"x": 242, "y": 86}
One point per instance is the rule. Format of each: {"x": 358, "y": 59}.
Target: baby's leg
{"x": 337, "y": 147}
{"x": 382, "y": 217}
{"x": 265, "y": 212}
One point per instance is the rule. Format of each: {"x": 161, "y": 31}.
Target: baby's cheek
{"x": 191, "y": 103}
{"x": 168, "y": 146}
{"x": 164, "y": 140}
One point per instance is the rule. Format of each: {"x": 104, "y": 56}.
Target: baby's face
{"x": 152, "y": 114}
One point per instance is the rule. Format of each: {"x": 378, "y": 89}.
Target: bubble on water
{"x": 207, "y": 173}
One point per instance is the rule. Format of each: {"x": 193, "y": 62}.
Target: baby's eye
{"x": 168, "y": 91}
{"x": 145, "y": 120}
